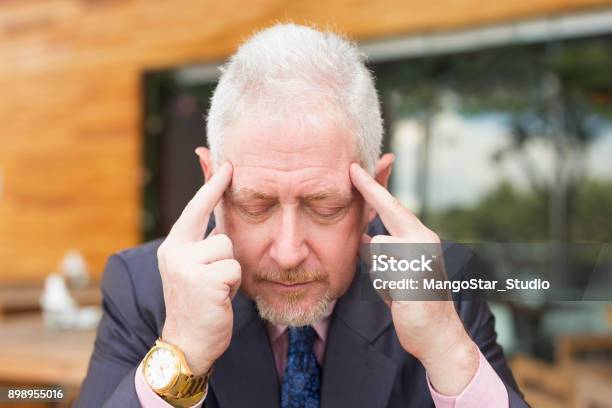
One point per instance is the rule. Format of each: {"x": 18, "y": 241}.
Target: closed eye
{"x": 254, "y": 210}
{"x": 327, "y": 212}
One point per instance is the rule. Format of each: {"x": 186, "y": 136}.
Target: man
{"x": 261, "y": 305}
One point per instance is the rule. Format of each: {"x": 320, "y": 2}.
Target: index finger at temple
{"x": 191, "y": 225}
{"x": 393, "y": 215}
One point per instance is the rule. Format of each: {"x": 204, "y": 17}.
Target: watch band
{"x": 184, "y": 402}
{"x": 188, "y": 390}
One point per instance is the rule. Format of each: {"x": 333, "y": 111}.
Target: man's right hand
{"x": 200, "y": 278}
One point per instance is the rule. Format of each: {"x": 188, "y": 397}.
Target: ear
{"x": 382, "y": 172}
{"x": 205, "y": 162}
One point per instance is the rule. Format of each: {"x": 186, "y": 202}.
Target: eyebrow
{"x": 331, "y": 193}
{"x": 247, "y": 193}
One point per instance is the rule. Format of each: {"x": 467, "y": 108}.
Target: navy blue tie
{"x": 302, "y": 385}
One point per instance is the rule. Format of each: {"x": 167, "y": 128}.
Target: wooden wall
{"x": 70, "y": 100}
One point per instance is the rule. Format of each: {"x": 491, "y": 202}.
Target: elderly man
{"x": 253, "y": 299}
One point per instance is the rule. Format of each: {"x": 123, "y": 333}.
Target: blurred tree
{"x": 558, "y": 92}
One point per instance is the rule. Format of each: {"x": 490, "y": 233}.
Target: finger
{"x": 365, "y": 239}
{"x": 397, "y": 219}
{"x": 234, "y": 290}
{"x": 386, "y": 239}
{"x": 230, "y": 273}
{"x": 192, "y": 223}
{"x": 211, "y": 249}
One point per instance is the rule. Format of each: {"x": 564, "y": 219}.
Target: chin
{"x": 294, "y": 309}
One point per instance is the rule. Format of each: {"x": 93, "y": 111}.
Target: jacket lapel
{"x": 355, "y": 373}
{"x": 246, "y": 374}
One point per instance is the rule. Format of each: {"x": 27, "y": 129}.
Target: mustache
{"x": 291, "y": 276}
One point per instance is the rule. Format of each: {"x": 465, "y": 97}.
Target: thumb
{"x": 388, "y": 301}
{"x": 234, "y": 291}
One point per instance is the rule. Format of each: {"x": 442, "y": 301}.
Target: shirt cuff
{"x": 148, "y": 398}
{"x": 485, "y": 389}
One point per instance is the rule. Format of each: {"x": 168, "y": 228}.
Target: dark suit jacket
{"x": 365, "y": 365}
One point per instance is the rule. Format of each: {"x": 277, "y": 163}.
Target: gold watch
{"x": 166, "y": 371}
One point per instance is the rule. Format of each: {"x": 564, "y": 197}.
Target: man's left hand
{"x": 429, "y": 330}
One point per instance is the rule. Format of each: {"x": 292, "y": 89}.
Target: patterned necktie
{"x": 302, "y": 385}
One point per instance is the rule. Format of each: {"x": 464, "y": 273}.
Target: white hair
{"x": 295, "y": 70}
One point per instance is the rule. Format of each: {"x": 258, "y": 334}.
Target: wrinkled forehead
{"x": 288, "y": 159}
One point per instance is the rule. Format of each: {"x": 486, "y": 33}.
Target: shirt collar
{"x": 320, "y": 327}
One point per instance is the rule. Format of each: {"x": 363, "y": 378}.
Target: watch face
{"x": 161, "y": 368}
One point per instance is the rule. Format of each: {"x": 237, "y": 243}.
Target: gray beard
{"x": 293, "y": 316}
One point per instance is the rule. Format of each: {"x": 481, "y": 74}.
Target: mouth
{"x": 288, "y": 286}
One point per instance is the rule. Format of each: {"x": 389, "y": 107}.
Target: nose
{"x": 289, "y": 248}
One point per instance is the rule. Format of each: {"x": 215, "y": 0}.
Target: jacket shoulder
{"x": 146, "y": 252}
{"x": 140, "y": 271}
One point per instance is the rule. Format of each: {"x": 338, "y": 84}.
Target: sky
{"x": 461, "y": 168}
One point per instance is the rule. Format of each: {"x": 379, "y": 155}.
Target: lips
{"x": 291, "y": 284}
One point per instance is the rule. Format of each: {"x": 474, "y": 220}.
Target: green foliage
{"x": 592, "y": 209}
{"x": 504, "y": 214}
{"x": 509, "y": 215}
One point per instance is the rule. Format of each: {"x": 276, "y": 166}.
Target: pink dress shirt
{"x": 486, "y": 389}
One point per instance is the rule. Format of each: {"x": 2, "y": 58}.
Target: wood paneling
{"x": 70, "y": 75}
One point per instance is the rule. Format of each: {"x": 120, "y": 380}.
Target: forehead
{"x": 289, "y": 158}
